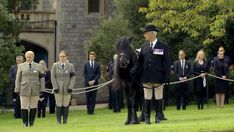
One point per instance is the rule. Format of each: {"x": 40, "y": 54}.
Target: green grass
{"x": 191, "y": 120}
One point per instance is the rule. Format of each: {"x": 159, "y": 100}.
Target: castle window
{"x": 93, "y": 6}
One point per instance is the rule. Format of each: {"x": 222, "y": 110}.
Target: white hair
{"x": 29, "y": 53}
{"x": 154, "y": 32}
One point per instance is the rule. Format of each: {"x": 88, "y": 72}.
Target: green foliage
{"x": 16, "y": 5}
{"x": 126, "y": 21}
{"x": 191, "y": 24}
{"x": 9, "y": 30}
{"x": 104, "y": 37}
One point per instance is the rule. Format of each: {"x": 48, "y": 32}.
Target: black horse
{"x": 126, "y": 77}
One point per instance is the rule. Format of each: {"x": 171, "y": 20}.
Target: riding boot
{"x": 65, "y": 114}
{"x": 32, "y": 116}
{"x": 24, "y": 113}
{"x": 58, "y": 114}
{"x": 147, "y": 111}
{"x": 157, "y": 111}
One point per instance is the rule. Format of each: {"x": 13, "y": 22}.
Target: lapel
{"x": 66, "y": 66}
{"x": 60, "y": 66}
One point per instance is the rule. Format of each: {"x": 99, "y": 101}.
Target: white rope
{"x": 230, "y": 80}
{"x": 93, "y": 86}
{"x": 96, "y": 87}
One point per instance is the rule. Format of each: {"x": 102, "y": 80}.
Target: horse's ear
{"x": 130, "y": 39}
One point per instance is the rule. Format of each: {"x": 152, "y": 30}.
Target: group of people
{"x": 29, "y": 81}
{"x": 183, "y": 69}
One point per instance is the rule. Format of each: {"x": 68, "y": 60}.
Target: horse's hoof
{"x": 127, "y": 123}
{"x": 135, "y": 122}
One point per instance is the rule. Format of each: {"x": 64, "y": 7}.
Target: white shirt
{"x": 90, "y": 62}
{"x": 154, "y": 42}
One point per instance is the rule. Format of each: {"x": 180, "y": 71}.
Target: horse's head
{"x": 124, "y": 51}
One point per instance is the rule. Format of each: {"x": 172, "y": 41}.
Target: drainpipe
{"x": 55, "y": 40}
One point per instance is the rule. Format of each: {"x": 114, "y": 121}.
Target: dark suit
{"x": 90, "y": 74}
{"x": 182, "y": 88}
{"x": 16, "y": 97}
{"x": 48, "y": 85}
{"x": 156, "y": 63}
{"x": 155, "y": 70}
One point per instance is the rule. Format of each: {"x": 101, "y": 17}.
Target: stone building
{"x": 64, "y": 25}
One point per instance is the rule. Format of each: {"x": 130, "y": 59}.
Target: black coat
{"x": 179, "y": 71}
{"x": 155, "y": 63}
{"x": 221, "y": 68}
{"x": 13, "y": 72}
{"x": 197, "y": 70}
{"x": 91, "y": 73}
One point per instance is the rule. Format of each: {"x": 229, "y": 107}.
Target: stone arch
{"x": 41, "y": 53}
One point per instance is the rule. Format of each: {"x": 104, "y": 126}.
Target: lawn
{"x": 212, "y": 119}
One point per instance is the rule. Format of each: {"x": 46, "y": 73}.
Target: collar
{"x": 154, "y": 42}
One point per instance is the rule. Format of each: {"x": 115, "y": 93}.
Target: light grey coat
{"x": 29, "y": 82}
{"x": 63, "y": 79}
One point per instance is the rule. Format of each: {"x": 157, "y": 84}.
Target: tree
{"x": 9, "y": 30}
{"x": 126, "y": 21}
{"x": 199, "y": 23}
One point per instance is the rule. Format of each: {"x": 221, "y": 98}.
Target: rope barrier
{"x": 96, "y": 87}
{"x": 230, "y": 80}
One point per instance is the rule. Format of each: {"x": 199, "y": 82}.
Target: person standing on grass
{"x": 29, "y": 84}
{"x": 44, "y": 96}
{"x": 15, "y": 97}
{"x": 200, "y": 68}
{"x": 221, "y": 69}
{"x": 182, "y": 69}
{"x": 155, "y": 61}
{"x": 63, "y": 81}
{"x": 91, "y": 74}
{"x": 228, "y": 61}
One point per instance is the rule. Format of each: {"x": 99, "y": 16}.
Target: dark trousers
{"x": 200, "y": 99}
{"x": 181, "y": 96}
{"x": 51, "y": 103}
{"x": 110, "y": 97}
{"x": 117, "y": 100}
{"x": 42, "y": 107}
{"x": 91, "y": 101}
{"x": 17, "y": 109}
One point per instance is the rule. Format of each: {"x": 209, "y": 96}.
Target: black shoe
{"x": 38, "y": 116}
{"x": 157, "y": 119}
{"x": 32, "y": 116}
{"x": 58, "y": 114}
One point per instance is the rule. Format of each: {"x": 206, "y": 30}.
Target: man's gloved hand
{"x": 56, "y": 91}
{"x": 69, "y": 90}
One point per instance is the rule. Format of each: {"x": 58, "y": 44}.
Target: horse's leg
{"x": 142, "y": 116}
{"x": 134, "y": 119}
{"x": 129, "y": 116}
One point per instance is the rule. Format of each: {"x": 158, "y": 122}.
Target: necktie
{"x": 92, "y": 64}
{"x": 63, "y": 66}
{"x": 182, "y": 65}
{"x": 30, "y": 65}
{"x": 151, "y": 45}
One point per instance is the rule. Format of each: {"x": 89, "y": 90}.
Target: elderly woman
{"x": 29, "y": 84}
{"x": 63, "y": 81}
{"x": 221, "y": 68}
{"x": 200, "y": 67}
